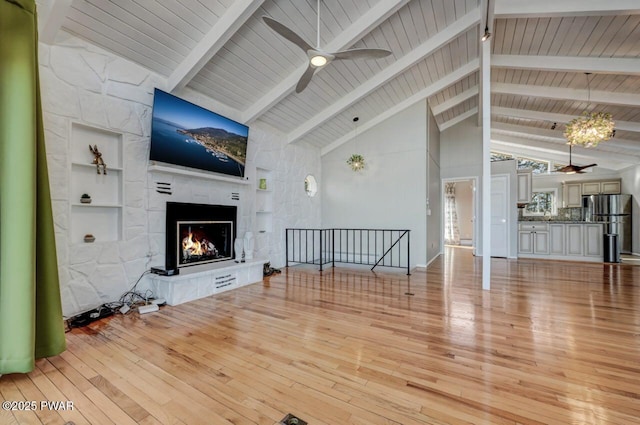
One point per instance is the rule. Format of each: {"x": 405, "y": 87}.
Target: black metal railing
{"x": 373, "y": 247}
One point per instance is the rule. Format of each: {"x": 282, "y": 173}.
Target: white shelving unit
{"x": 103, "y": 217}
{"x": 264, "y": 201}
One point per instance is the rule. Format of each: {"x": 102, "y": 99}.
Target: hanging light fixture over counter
{"x": 590, "y": 128}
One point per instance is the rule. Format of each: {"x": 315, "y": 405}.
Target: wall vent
{"x": 235, "y": 196}
{"x": 164, "y": 188}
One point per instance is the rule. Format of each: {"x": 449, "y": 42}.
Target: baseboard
{"x": 425, "y": 266}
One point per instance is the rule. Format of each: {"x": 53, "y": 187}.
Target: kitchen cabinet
{"x": 533, "y": 239}
{"x": 590, "y": 188}
{"x": 593, "y": 239}
{"x": 573, "y": 191}
{"x": 573, "y": 240}
{"x": 556, "y": 239}
{"x": 576, "y": 241}
{"x": 524, "y": 186}
{"x": 572, "y": 195}
{"x": 610, "y": 188}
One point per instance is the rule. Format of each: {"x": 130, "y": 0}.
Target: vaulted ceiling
{"x": 541, "y": 51}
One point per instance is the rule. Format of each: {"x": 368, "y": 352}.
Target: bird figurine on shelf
{"x": 97, "y": 159}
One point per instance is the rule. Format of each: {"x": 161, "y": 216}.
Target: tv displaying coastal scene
{"x": 188, "y": 135}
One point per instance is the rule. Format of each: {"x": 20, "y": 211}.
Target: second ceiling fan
{"x": 318, "y": 58}
{"x": 574, "y": 169}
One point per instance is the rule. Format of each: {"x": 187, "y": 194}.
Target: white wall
{"x": 391, "y": 191}
{"x": 434, "y": 195}
{"x": 461, "y": 158}
{"x": 631, "y": 185}
{"x": 84, "y": 84}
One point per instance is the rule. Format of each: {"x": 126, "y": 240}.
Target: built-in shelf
{"x": 199, "y": 174}
{"x": 103, "y": 217}
{"x": 264, "y": 200}
{"x": 96, "y": 205}
{"x": 93, "y": 166}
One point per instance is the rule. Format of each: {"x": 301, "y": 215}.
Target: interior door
{"x": 499, "y": 216}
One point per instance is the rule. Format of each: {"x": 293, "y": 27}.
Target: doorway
{"x": 459, "y": 212}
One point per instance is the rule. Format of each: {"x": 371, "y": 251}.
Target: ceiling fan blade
{"x": 582, "y": 167}
{"x": 286, "y": 33}
{"x": 303, "y": 82}
{"x": 361, "y": 54}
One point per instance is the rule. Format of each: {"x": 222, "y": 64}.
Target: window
{"x": 543, "y": 203}
{"x": 537, "y": 166}
{"x": 499, "y": 156}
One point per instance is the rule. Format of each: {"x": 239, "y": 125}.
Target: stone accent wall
{"x": 82, "y": 83}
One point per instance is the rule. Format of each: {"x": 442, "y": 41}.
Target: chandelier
{"x": 356, "y": 161}
{"x": 590, "y": 128}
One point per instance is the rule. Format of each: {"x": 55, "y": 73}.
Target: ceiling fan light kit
{"x": 318, "y": 61}
{"x": 317, "y": 57}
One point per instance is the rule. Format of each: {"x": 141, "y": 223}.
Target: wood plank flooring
{"x": 551, "y": 343}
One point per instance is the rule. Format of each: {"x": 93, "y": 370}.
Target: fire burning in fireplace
{"x": 191, "y": 247}
{"x": 204, "y": 242}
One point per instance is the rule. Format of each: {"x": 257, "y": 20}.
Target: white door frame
{"x": 474, "y": 207}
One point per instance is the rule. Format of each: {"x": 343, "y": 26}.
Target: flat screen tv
{"x": 188, "y": 135}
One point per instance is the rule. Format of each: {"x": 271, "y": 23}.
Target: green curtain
{"x": 30, "y": 310}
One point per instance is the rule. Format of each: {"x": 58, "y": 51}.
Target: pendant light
{"x": 590, "y": 128}
{"x": 356, "y": 161}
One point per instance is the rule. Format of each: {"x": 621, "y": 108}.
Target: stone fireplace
{"x": 199, "y": 234}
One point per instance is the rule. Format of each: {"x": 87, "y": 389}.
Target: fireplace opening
{"x": 204, "y": 242}
{"x": 199, "y": 233}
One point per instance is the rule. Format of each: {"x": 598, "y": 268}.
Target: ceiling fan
{"x": 318, "y": 58}
{"x": 573, "y": 169}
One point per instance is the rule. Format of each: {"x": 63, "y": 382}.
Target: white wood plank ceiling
{"x": 540, "y": 53}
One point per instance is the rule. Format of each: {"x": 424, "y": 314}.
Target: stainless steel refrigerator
{"x": 615, "y": 212}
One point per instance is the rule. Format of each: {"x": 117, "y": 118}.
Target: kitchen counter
{"x": 555, "y": 221}
{"x": 561, "y": 240}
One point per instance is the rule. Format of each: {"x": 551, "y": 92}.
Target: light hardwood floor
{"x": 552, "y": 343}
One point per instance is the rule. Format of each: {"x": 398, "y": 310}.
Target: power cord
{"x": 126, "y": 303}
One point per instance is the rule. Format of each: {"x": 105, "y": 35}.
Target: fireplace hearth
{"x": 199, "y": 234}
